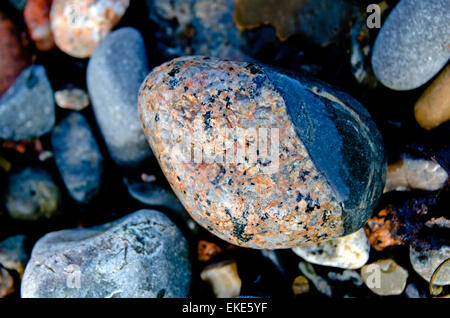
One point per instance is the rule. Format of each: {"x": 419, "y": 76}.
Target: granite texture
{"x": 291, "y": 197}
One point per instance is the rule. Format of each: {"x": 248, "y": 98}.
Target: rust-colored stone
{"x": 207, "y": 250}
{"x": 13, "y": 56}
{"x": 80, "y": 25}
{"x": 382, "y": 228}
{"x": 37, "y": 18}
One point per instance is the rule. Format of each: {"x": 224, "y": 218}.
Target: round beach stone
{"x": 78, "y": 157}
{"x": 320, "y": 180}
{"x": 32, "y": 195}
{"x": 413, "y": 44}
{"x": 385, "y": 277}
{"x": 114, "y": 74}
{"x": 140, "y": 255}
{"x": 27, "y": 109}
{"x": 349, "y": 252}
{"x": 79, "y": 26}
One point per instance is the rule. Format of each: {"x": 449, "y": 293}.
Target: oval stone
{"x": 262, "y": 158}
{"x": 413, "y": 44}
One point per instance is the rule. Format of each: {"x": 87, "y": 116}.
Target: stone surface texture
{"x": 79, "y": 26}
{"x": 37, "y": 18}
{"x": 140, "y": 255}
{"x": 413, "y": 44}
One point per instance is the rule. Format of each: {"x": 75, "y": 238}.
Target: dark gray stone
{"x": 27, "y": 108}
{"x": 412, "y": 45}
{"x": 114, "y": 75}
{"x": 157, "y": 197}
{"x": 341, "y": 139}
{"x": 141, "y": 255}
{"x": 31, "y": 195}
{"x": 78, "y": 157}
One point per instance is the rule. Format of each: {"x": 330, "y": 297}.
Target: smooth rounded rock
{"x": 37, "y": 18}
{"x": 72, "y": 98}
{"x": 114, "y": 74}
{"x": 13, "y": 56}
{"x": 140, "y": 255}
{"x": 78, "y": 157}
{"x": 433, "y": 107}
{"x": 79, "y": 26}
{"x": 413, "y": 44}
{"x": 349, "y": 252}
{"x": 426, "y": 261}
{"x": 320, "y": 179}
{"x": 27, "y": 109}
{"x": 32, "y": 195}
{"x": 385, "y": 277}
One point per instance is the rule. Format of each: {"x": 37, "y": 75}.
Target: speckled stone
{"x": 140, "y": 255}
{"x": 32, "y": 195}
{"x": 78, "y": 157}
{"x": 37, "y": 18}
{"x": 413, "y": 44}
{"x": 13, "y": 56}
{"x": 27, "y": 109}
{"x": 79, "y": 26}
{"x": 426, "y": 261}
{"x": 349, "y": 252}
{"x": 114, "y": 74}
{"x": 306, "y": 197}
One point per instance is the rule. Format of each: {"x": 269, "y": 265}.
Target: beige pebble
{"x": 408, "y": 174}
{"x": 223, "y": 278}
{"x": 6, "y": 283}
{"x": 433, "y": 107}
{"x": 72, "y": 98}
{"x": 384, "y": 277}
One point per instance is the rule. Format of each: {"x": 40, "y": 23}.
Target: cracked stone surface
{"x": 140, "y": 255}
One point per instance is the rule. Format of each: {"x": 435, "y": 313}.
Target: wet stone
{"x": 32, "y": 195}
{"x": 79, "y": 26}
{"x": 118, "y": 259}
{"x": 27, "y": 109}
{"x": 284, "y": 196}
{"x": 350, "y": 251}
{"x": 114, "y": 74}
{"x": 385, "y": 277}
{"x": 78, "y": 157}
{"x": 412, "y": 46}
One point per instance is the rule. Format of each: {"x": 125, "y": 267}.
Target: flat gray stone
{"x": 114, "y": 75}
{"x": 27, "y": 108}
{"x": 140, "y": 255}
{"x": 413, "y": 44}
{"x": 78, "y": 157}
